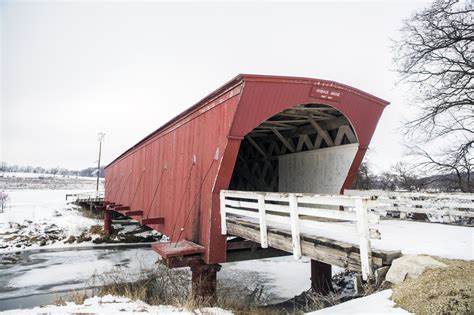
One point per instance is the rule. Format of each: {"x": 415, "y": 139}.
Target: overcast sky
{"x": 72, "y": 69}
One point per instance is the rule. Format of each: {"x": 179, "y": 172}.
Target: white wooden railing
{"x": 440, "y": 207}
{"x": 87, "y": 196}
{"x": 292, "y": 211}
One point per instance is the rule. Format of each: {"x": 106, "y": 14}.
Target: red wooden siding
{"x": 187, "y": 194}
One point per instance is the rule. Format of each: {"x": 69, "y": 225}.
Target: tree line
{"x": 13, "y": 168}
{"x": 403, "y": 177}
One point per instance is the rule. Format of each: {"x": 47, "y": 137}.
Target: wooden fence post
{"x": 364, "y": 237}
{"x": 295, "y": 227}
{"x": 262, "y": 220}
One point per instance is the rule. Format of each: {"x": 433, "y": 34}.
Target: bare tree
{"x": 387, "y": 181}
{"x": 407, "y": 179}
{"x": 435, "y": 56}
{"x": 3, "y": 200}
{"x": 364, "y": 177}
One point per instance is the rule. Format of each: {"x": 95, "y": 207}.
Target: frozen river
{"x": 40, "y": 276}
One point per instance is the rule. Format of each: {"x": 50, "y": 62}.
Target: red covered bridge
{"x": 255, "y": 133}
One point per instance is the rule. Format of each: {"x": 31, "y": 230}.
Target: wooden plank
{"x": 329, "y": 251}
{"x": 177, "y": 249}
{"x": 314, "y": 212}
{"x": 243, "y": 213}
{"x": 335, "y": 200}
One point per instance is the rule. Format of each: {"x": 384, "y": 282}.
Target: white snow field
{"x": 36, "y": 212}
{"x": 109, "y": 304}
{"x": 377, "y": 303}
{"x": 44, "y": 205}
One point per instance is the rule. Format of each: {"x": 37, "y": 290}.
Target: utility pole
{"x": 101, "y": 138}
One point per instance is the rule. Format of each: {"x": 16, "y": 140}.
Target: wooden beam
{"x": 121, "y": 208}
{"x": 324, "y": 134}
{"x": 134, "y": 213}
{"x": 329, "y": 251}
{"x": 255, "y": 145}
{"x": 301, "y": 142}
{"x": 157, "y": 220}
{"x": 283, "y": 140}
{"x": 177, "y": 249}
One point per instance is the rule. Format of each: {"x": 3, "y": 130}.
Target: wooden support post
{"x": 321, "y": 277}
{"x": 223, "y": 215}
{"x": 204, "y": 281}
{"x": 107, "y": 222}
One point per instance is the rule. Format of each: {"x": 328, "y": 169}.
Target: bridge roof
{"x": 241, "y": 79}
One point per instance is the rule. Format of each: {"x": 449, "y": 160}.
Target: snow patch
{"x": 377, "y": 303}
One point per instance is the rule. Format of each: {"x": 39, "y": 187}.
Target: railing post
{"x": 262, "y": 220}
{"x": 295, "y": 228}
{"x": 223, "y": 214}
{"x": 364, "y": 237}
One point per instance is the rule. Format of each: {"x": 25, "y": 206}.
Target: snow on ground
{"x": 37, "y": 175}
{"x": 113, "y": 305}
{"x": 39, "y": 217}
{"x": 46, "y": 181}
{"x": 44, "y": 205}
{"x": 377, "y": 303}
{"x": 448, "y": 241}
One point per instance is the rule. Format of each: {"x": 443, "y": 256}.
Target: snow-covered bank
{"x": 37, "y": 218}
{"x": 114, "y": 305}
{"x": 43, "y": 219}
{"x": 377, "y": 303}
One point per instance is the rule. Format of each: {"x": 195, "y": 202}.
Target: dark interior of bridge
{"x": 301, "y": 128}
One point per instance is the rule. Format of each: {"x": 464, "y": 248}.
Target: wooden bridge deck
{"x": 334, "y": 252}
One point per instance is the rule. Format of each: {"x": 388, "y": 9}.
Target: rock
{"x": 70, "y": 240}
{"x": 42, "y": 243}
{"x": 410, "y": 267}
{"x": 380, "y": 275}
{"x": 98, "y": 240}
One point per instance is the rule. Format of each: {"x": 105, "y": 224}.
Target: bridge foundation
{"x": 204, "y": 281}
{"x": 107, "y": 221}
{"x": 321, "y": 277}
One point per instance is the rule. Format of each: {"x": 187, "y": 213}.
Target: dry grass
{"x": 164, "y": 286}
{"x": 439, "y": 291}
{"x": 97, "y": 229}
{"x": 86, "y": 212}
{"x": 160, "y": 285}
